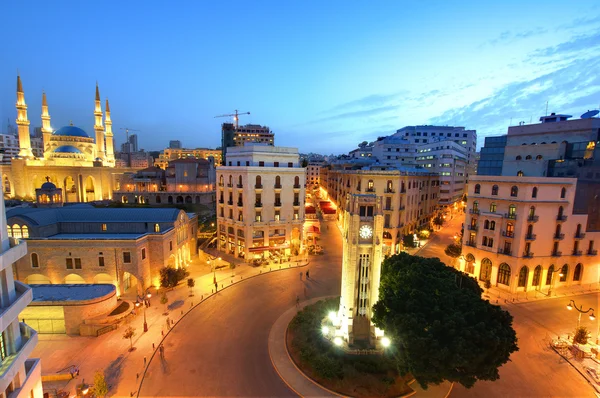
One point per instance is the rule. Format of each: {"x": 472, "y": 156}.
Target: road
{"x": 220, "y": 348}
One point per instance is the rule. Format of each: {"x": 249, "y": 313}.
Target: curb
{"x": 143, "y": 375}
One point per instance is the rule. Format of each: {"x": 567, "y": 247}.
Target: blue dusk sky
{"x": 324, "y": 75}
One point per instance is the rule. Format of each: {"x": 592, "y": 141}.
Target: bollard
{"x": 221, "y": 286}
{"x": 162, "y": 332}
{"x": 137, "y": 376}
{"x": 181, "y": 312}
{"x": 191, "y": 304}
{"x": 153, "y": 347}
{"x": 232, "y": 281}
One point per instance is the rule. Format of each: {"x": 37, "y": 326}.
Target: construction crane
{"x": 127, "y": 130}
{"x": 235, "y": 116}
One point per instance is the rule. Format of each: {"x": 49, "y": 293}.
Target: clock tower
{"x": 362, "y": 236}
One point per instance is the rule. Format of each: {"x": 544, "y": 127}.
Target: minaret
{"x": 46, "y": 129}
{"x": 23, "y": 122}
{"x": 110, "y": 151}
{"x": 98, "y": 128}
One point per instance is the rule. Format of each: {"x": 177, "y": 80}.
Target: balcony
{"x": 230, "y": 202}
{"x": 258, "y": 186}
{"x": 15, "y": 249}
{"x": 533, "y": 218}
{"x": 258, "y": 205}
{"x": 388, "y": 208}
{"x": 402, "y": 207}
{"x": 556, "y": 253}
{"x": 277, "y": 186}
{"x": 370, "y": 190}
{"x": 508, "y": 234}
{"x": 470, "y": 243}
{"x": 576, "y": 252}
{"x": 561, "y": 218}
{"x": 240, "y": 204}
{"x": 221, "y": 201}
{"x": 473, "y": 211}
{"x": 240, "y": 186}
{"x": 558, "y": 236}
{"x": 528, "y": 255}
{"x": 296, "y": 203}
{"x": 389, "y": 190}
{"x": 510, "y": 216}
{"x": 277, "y": 203}
{"x": 229, "y": 185}
{"x": 592, "y": 252}
{"x": 530, "y": 237}
{"x": 472, "y": 227}
{"x": 296, "y": 186}
{"x": 16, "y": 360}
{"x": 403, "y": 190}
{"x": 505, "y": 251}
{"x": 579, "y": 236}
{"x": 33, "y": 374}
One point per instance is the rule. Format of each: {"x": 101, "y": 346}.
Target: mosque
{"x": 82, "y": 166}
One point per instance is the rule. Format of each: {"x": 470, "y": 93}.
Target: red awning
{"x": 313, "y": 229}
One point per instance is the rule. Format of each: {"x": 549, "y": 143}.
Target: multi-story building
{"x": 410, "y": 197}
{"x": 170, "y": 154}
{"x": 234, "y": 135}
{"x": 260, "y": 209}
{"x": 521, "y": 231}
{"x": 395, "y": 150}
{"x": 175, "y": 144}
{"x": 491, "y": 156}
{"x": 83, "y": 244}
{"x": 186, "y": 180}
{"x": 313, "y": 174}
{"x": 10, "y": 145}
{"x": 20, "y": 376}
{"x": 449, "y": 160}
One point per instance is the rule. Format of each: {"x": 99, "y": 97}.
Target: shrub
{"x": 453, "y": 250}
{"x": 170, "y": 277}
{"x": 408, "y": 241}
{"x": 581, "y": 335}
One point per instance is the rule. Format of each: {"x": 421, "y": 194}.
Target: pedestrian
{"x": 216, "y": 287}
{"x": 300, "y": 275}
{"x": 168, "y": 323}
{"x": 162, "y": 351}
{"x": 307, "y": 274}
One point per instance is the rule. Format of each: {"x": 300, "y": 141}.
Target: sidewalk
{"x": 502, "y": 296}
{"x": 110, "y": 352}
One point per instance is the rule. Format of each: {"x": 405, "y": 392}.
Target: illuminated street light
{"x": 385, "y": 342}
{"x": 338, "y": 341}
{"x": 581, "y": 311}
{"x": 325, "y": 330}
{"x": 332, "y": 316}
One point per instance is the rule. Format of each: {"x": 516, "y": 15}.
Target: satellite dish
{"x": 590, "y": 114}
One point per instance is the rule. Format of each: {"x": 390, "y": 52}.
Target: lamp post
{"x": 146, "y": 296}
{"x": 581, "y": 311}
{"x": 552, "y": 280}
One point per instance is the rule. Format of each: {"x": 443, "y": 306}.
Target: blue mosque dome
{"x": 71, "y": 131}
{"x": 67, "y": 148}
{"x": 48, "y": 185}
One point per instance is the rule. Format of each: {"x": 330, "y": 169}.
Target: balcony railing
{"x": 510, "y": 216}
{"x": 220, "y": 184}
{"x": 558, "y": 236}
{"x": 528, "y": 255}
{"x": 561, "y": 218}
{"x": 258, "y": 186}
{"x": 508, "y": 234}
{"x": 240, "y": 204}
{"x": 229, "y": 185}
{"x": 388, "y": 208}
{"x": 389, "y": 190}
{"x": 230, "y": 202}
{"x": 258, "y": 204}
{"x": 556, "y": 253}
{"x": 240, "y": 185}
{"x": 277, "y": 204}
{"x": 505, "y": 251}
{"x": 579, "y": 236}
{"x": 296, "y": 203}
{"x": 470, "y": 243}
{"x": 473, "y": 211}
{"x": 403, "y": 190}
{"x": 296, "y": 186}
{"x": 533, "y": 218}
{"x": 472, "y": 227}
{"x": 592, "y": 252}
{"x": 221, "y": 201}
{"x": 370, "y": 190}
{"x": 277, "y": 186}
{"x": 577, "y": 252}
{"x": 530, "y": 237}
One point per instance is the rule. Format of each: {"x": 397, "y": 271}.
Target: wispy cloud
{"x": 357, "y": 114}
{"x": 581, "y": 23}
{"x": 576, "y": 44}
{"x": 375, "y": 100}
{"x": 507, "y": 37}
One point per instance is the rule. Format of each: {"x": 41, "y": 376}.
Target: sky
{"x": 323, "y": 75}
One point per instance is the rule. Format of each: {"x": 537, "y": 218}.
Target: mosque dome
{"x": 48, "y": 185}
{"x": 67, "y": 149}
{"x": 71, "y": 131}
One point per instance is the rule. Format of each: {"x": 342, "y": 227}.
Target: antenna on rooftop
{"x": 546, "y": 108}
{"x": 590, "y": 114}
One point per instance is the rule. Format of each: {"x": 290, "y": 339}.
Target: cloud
{"x": 580, "y": 22}
{"x": 375, "y": 100}
{"x": 509, "y": 37}
{"x": 578, "y": 43}
{"x": 356, "y": 114}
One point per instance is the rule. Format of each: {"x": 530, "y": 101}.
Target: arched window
{"x": 476, "y": 206}
{"x": 296, "y": 182}
{"x": 520, "y": 173}
{"x": 240, "y": 185}
{"x": 578, "y": 230}
{"x": 564, "y": 271}
{"x": 221, "y": 180}
{"x": 230, "y": 180}
{"x": 529, "y": 230}
{"x": 370, "y": 186}
{"x": 537, "y": 274}
{"x": 485, "y": 274}
{"x": 504, "y": 274}
{"x": 25, "y": 231}
{"x": 560, "y": 212}
{"x": 531, "y": 212}
{"x": 563, "y": 193}
{"x": 9, "y": 229}
{"x": 528, "y": 157}
{"x": 484, "y": 241}
{"x": 495, "y": 190}
{"x": 538, "y": 157}
{"x": 486, "y": 224}
{"x": 156, "y": 228}
{"x": 523, "y": 276}
{"x": 549, "y": 275}
{"x": 577, "y": 273}
{"x": 514, "y": 191}
{"x": 512, "y": 211}
{"x": 258, "y": 182}
{"x": 493, "y": 225}
{"x": 477, "y": 188}
{"x": 519, "y": 156}
{"x": 35, "y": 262}
{"x": 390, "y": 186}
{"x": 492, "y": 207}
{"x": 469, "y": 266}
{"x": 510, "y": 229}
{"x": 277, "y": 182}
{"x": 534, "y": 192}
{"x": 17, "y": 231}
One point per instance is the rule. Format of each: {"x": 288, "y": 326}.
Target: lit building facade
{"x": 449, "y": 160}
{"x": 521, "y": 234}
{"x": 170, "y": 154}
{"x": 260, "y": 202}
{"x": 20, "y": 376}
{"x": 83, "y": 244}
{"x": 313, "y": 174}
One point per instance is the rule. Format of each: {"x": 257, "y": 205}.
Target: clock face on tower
{"x": 365, "y": 232}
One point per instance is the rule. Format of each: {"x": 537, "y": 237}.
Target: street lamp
{"x": 552, "y": 279}
{"x": 581, "y": 311}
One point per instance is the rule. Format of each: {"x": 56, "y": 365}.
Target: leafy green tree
{"x": 438, "y": 220}
{"x": 440, "y": 327}
{"x": 170, "y": 277}
{"x": 164, "y": 300}
{"x": 453, "y": 250}
{"x": 408, "y": 240}
{"x": 100, "y": 385}
{"x": 191, "y": 283}
{"x": 128, "y": 334}
{"x": 581, "y": 335}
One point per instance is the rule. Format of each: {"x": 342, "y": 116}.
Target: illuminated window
{"x": 104, "y": 227}
{"x": 25, "y": 231}
{"x": 156, "y": 228}
{"x": 16, "y": 231}
{"x": 127, "y": 257}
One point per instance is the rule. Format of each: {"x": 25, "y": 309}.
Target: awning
{"x": 313, "y": 230}
{"x": 266, "y": 248}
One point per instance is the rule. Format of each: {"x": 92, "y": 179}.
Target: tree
{"x": 438, "y": 220}
{"x": 439, "y": 325}
{"x": 304, "y": 163}
{"x": 191, "y": 283}
{"x": 100, "y": 386}
{"x": 170, "y": 277}
{"x": 363, "y": 144}
{"x": 581, "y": 335}
{"x": 164, "y": 300}
{"x": 128, "y": 334}
{"x": 453, "y": 250}
{"x": 408, "y": 240}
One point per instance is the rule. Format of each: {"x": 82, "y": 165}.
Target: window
{"x": 240, "y": 216}
{"x": 538, "y": 157}
{"x": 296, "y": 182}
{"x": 486, "y": 224}
{"x": 17, "y": 231}
{"x": 578, "y": 230}
{"x": 514, "y": 191}
{"x": 101, "y": 260}
{"x": 258, "y": 182}
{"x": 492, "y": 207}
{"x": 512, "y": 211}
{"x": 240, "y": 185}
{"x": 69, "y": 263}
{"x": 35, "y": 263}
{"x": 475, "y": 206}
{"x": 534, "y": 192}
{"x": 77, "y": 263}
{"x": 520, "y": 173}
{"x": 3, "y": 352}
{"x": 126, "y": 257}
{"x": 510, "y": 229}
{"x": 560, "y": 212}
{"x": 528, "y": 157}
{"x": 277, "y": 182}
{"x": 103, "y": 227}
{"x": 563, "y": 273}
{"x": 275, "y": 164}
{"x": 143, "y": 253}
{"x": 504, "y": 274}
{"x": 495, "y": 190}
{"x": 477, "y": 188}
{"x": 277, "y": 215}
{"x": 470, "y": 260}
{"x": 258, "y": 216}
{"x": 549, "y": 275}
{"x": 563, "y": 193}
{"x": 25, "y": 232}
{"x": 523, "y": 277}
{"x": 577, "y": 272}
{"x": 370, "y": 186}
{"x": 170, "y": 245}
{"x": 156, "y": 228}
{"x": 530, "y": 230}
{"x": 519, "y": 156}
{"x": 537, "y": 274}
{"x": 261, "y": 164}
{"x": 485, "y": 274}
{"x": 492, "y": 225}
{"x": 296, "y": 215}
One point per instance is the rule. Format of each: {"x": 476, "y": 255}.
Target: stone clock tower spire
{"x": 98, "y": 128}
{"x": 23, "y": 123}
{"x": 361, "y": 268}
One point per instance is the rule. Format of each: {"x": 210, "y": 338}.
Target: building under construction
{"x": 253, "y": 133}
